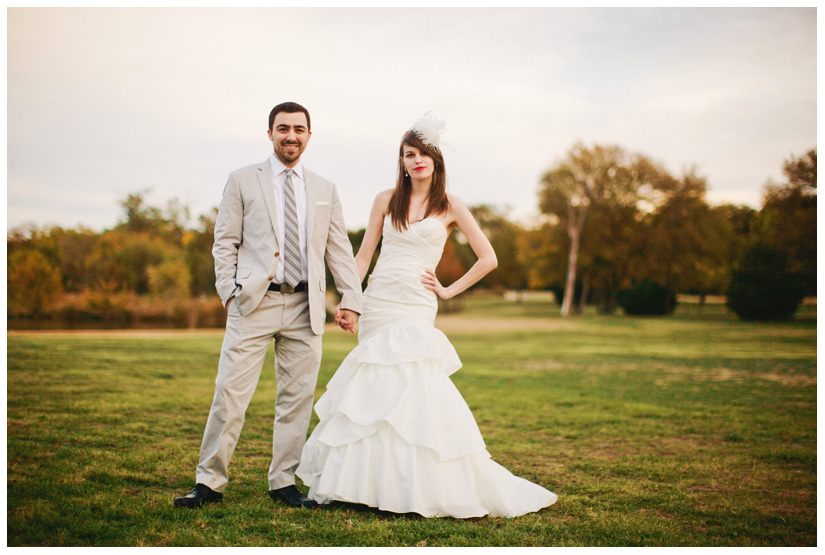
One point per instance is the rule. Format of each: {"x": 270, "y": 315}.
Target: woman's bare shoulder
{"x": 382, "y": 200}
{"x": 455, "y": 200}
{"x": 456, "y": 206}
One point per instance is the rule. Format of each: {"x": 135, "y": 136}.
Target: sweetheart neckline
{"x": 444, "y": 227}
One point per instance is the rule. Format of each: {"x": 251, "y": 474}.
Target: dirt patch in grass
{"x": 790, "y": 380}
{"x": 670, "y": 374}
{"x": 541, "y": 364}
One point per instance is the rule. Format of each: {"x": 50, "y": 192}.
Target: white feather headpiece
{"x": 429, "y": 129}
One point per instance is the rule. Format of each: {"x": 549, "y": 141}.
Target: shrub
{"x": 170, "y": 279}
{"x": 647, "y": 298}
{"x": 33, "y": 283}
{"x": 762, "y": 288}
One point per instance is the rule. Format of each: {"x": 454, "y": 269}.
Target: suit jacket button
{"x": 270, "y": 278}
{"x": 277, "y": 254}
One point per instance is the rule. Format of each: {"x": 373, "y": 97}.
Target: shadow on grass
{"x": 371, "y": 511}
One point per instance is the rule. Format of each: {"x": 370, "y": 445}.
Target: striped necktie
{"x": 292, "y": 241}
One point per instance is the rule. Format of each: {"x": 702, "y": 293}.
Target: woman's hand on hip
{"x": 431, "y": 282}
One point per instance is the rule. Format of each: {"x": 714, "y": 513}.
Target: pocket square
{"x": 320, "y": 203}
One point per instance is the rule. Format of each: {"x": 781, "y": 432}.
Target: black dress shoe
{"x": 200, "y": 495}
{"x": 292, "y": 497}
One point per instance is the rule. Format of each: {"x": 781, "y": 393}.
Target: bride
{"x": 394, "y": 432}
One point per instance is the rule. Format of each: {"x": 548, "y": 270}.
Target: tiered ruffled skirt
{"x": 395, "y": 433}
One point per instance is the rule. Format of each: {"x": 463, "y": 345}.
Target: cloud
{"x": 104, "y": 102}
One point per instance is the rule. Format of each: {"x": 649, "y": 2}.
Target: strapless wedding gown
{"x": 394, "y": 432}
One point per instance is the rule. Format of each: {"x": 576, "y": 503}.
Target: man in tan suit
{"x": 276, "y": 224}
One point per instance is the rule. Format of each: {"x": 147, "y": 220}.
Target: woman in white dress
{"x": 394, "y": 432}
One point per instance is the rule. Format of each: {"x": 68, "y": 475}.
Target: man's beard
{"x": 288, "y": 156}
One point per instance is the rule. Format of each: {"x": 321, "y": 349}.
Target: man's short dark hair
{"x": 290, "y": 108}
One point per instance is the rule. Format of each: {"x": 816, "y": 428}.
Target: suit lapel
{"x": 266, "y": 181}
{"x": 312, "y": 199}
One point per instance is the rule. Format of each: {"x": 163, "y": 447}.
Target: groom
{"x": 276, "y": 224}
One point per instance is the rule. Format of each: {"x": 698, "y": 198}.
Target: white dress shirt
{"x": 279, "y": 177}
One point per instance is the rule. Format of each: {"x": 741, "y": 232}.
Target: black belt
{"x": 286, "y": 288}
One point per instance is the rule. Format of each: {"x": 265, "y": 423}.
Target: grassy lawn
{"x": 690, "y": 430}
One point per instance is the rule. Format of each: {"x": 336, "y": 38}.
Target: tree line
{"x": 633, "y": 232}
{"x": 617, "y": 230}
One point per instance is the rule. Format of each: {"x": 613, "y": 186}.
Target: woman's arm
{"x": 487, "y": 261}
{"x": 368, "y": 245}
{"x": 373, "y": 233}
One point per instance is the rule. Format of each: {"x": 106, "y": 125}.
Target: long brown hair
{"x": 437, "y": 202}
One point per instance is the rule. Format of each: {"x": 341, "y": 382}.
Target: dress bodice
{"x": 415, "y": 249}
{"x": 405, "y": 256}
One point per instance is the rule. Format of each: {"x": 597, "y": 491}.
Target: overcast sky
{"x": 103, "y": 102}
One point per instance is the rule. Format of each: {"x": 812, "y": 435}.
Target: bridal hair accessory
{"x": 429, "y": 129}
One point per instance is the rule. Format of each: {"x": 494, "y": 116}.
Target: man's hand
{"x": 346, "y": 319}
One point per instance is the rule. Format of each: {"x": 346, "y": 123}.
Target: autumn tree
{"x": 801, "y": 172}
{"x": 28, "y": 237}
{"x": 170, "y": 278}
{"x": 503, "y": 234}
{"x": 197, "y": 246}
{"x": 120, "y": 260}
{"x": 603, "y": 178}
{"x": 741, "y": 220}
{"x": 543, "y": 252}
{"x": 613, "y": 239}
{"x": 74, "y": 247}
{"x": 787, "y": 220}
{"x": 138, "y": 217}
{"x": 151, "y": 250}
{"x": 688, "y": 245}
{"x": 33, "y": 282}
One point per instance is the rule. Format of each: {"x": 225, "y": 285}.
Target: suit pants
{"x": 284, "y": 317}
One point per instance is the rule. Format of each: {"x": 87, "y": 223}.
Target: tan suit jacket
{"x": 246, "y": 246}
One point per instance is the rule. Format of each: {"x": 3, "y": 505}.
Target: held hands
{"x": 346, "y": 319}
{"x": 431, "y": 282}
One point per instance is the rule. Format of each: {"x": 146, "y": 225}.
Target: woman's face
{"x": 417, "y": 164}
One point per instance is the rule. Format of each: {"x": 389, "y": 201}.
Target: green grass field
{"x": 690, "y": 430}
